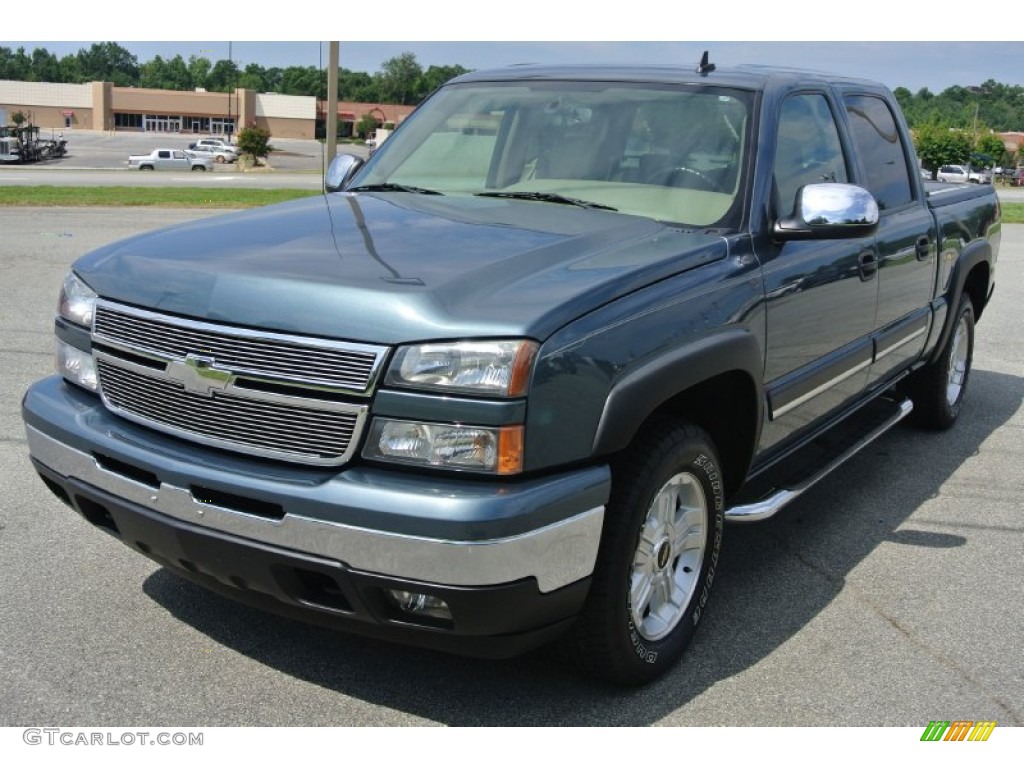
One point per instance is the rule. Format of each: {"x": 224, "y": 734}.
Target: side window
{"x": 807, "y": 149}
{"x": 164, "y": 154}
{"x": 881, "y": 152}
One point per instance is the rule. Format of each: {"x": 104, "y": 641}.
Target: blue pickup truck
{"x": 506, "y": 381}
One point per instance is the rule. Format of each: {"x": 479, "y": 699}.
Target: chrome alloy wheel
{"x": 957, "y": 364}
{"x": 668, "y": 557}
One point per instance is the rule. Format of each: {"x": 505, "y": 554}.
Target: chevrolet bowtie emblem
{"x": 199, "y": 374}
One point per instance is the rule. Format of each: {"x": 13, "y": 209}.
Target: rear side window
{"x": 881, "y": 151}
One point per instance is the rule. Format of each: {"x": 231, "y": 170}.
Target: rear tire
{"x": 939, "y": 388}
{"x": 656, "y": 564}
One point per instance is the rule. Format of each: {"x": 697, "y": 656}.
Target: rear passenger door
{"x": 820, "y": 294}
{"x": 906, "y": 236}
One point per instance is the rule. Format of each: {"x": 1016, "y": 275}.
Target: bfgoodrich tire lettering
{"x": 656, "y": 564}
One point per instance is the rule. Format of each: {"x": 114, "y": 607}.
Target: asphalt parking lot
{"x": 887, "y": 595}
{"x": 94, "y": 150}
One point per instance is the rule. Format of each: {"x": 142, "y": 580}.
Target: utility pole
{"x": 228, "y": 126}
{"x": 332, "y": 105}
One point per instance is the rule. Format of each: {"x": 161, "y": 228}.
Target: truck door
{"x": 906, "y": 237}
{"x": 820, "y": 294}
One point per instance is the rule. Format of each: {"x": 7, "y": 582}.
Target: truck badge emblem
{"x": 199, "y": 374}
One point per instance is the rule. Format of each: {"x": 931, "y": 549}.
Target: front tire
{"x": 939, "y": 388}
{"x": 657, "y": 560}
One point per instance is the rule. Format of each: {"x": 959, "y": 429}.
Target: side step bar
{"x": 781, "y": 494}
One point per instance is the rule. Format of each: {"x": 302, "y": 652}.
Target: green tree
{"x": 937, "y": 145}
{"x": 356, "y": 86}
{"x": 223, "y": 78}
{"x": 109, "y": 62}
{"x": 45, "y": 66}
{"x": 71, "y": 69}
{"x": 178, "y": 76}
{"x": 18, "y": 118}
{"x": 991, "y": 150}
{"x": 304, "y": 81}
{"x": 989, "y": 144}
{"x": 400, "y": 79}
{"x": 254, "y": 78}
{"x": 366, "y": 125}
{"x": 198, "y": 70}
{"x": 255, "y": 142}
{"x": 436, "y": 76}
{"x": 15, "y": 65}
{"x": 152, "y": 74}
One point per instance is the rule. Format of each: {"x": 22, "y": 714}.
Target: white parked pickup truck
{"x": 169, "y": 160}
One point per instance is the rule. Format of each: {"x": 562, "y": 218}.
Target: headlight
{"x": 77, "y": 301}
{"x": 76, "y": 366}
{"x": 496, "y": 368}
{"x": 448, "y": 446}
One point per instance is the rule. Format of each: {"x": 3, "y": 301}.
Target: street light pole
{"x": 229, "y": 126}
{"x": 332, "y": 105}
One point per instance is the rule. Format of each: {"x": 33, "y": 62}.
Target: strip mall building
{"x": 106, "y": 107}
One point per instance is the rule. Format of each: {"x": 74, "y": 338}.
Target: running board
{"x": 779, "y": 495}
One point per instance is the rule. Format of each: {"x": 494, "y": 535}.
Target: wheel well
{"x": 725, "y": 407}
{"x": 976, "y": 286}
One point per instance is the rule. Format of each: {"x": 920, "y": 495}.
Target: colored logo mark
{"x": 958, "y": 730}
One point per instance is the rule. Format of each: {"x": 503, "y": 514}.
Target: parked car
{"x": 218, "y": 154}
{"x": 963, "y": 175}
{"x": 215, "y": 143}
{"x": 169, "y": 160}
{"x": 1016, "y": 177}
{"x": 509, "y": 378}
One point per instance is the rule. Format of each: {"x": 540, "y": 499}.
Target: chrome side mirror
{"x": 341, "y": 171}
{"x": 829, "y": 212}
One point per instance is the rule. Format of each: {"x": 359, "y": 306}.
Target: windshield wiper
{"x": 388, "y": 187}
{"x": 548, "y": 197}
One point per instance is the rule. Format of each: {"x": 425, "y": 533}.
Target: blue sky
{"x": 451, "y": 31}
{"x": 911, "y": 64}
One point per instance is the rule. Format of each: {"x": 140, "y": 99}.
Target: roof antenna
{"x": 705, "y": 66}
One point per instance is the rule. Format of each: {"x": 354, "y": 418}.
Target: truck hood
{"x": 396, "y": 267}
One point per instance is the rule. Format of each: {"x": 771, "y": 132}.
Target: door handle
{"x": 867, "y": 264}
{"x": 922, "y": 248}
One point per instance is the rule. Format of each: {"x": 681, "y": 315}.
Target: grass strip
{"x": 176, "y": 197}
{"x": 1013, "y": 213}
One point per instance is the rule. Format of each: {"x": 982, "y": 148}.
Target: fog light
{"x": 497, "y": 450}
{"x": 76, "y": 366}
{"x": 418, "y": 604}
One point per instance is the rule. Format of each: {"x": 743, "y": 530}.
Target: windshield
{"x": 672, "y": 153}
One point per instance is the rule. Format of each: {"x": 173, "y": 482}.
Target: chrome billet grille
{"x": 342, "y": 366}
{"x": 269, "y": 394}
{"x": 291, "y": 429}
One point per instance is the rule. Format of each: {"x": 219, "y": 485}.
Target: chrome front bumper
{"x": 555, "y": 554}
